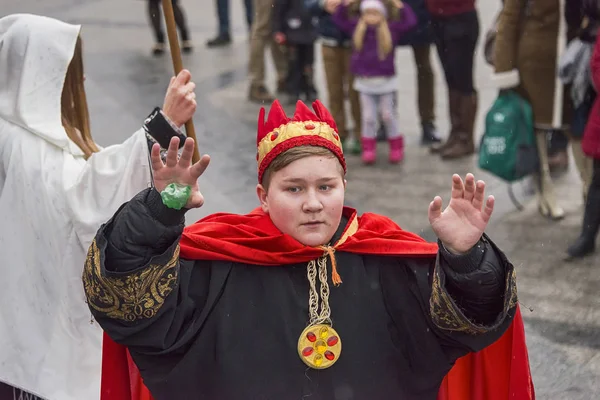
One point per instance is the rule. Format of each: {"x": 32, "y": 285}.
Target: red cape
{"x": 498, "y": 372}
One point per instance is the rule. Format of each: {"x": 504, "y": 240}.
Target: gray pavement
{"x": 124, "y": 82}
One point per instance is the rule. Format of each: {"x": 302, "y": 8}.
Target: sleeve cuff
{"x": 163, "y": 214}
{"x": 463, "y": 263}
{"x": 161, "y": 129}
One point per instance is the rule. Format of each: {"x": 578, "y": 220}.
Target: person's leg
{"x": 368, "y": 107}
{"x": 154, "y": 14}
{"x": 249, "y": 6}
{"x": 354, "y": 100}
{"x": 261, "y": 37}
{"x": 389, "y": 116}
{"x": 545, "y": 192}
{"x": 180, "y": 20}
{"x": 586, "y": 242}
{"x": 296, "y": 72}
{"x": 308, "y": 60}
{"x": 223, "y": 38}
{"x": 585, "y": 165}
{"x": 425, "y": 93}
{"x": 439, "y": 27}
{"x": 333, "y": 64}
{"x": 463, "y": 32}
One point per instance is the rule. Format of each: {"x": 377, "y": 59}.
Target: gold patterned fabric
{"x": 448, "y": 316}
{"x": 132, "y": 297}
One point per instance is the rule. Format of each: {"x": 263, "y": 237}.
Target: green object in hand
{"x": 175, "y": 195}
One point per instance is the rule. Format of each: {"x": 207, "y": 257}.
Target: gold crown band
{"x": 296, "y": 129}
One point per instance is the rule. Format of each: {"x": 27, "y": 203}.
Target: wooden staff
{"x": 178, "y": 65}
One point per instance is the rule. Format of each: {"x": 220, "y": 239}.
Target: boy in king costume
{"x": 302, "y": 297}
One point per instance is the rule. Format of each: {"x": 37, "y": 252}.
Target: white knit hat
{"x": 373, "y": 5}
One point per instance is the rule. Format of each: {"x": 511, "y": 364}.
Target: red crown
{"x": 280, "y": 133}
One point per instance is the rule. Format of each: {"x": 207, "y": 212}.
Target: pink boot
{"x": 369, "y": 150}
{"x": 396, "y": 149}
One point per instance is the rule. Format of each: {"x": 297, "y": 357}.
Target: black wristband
{"x": 157, "y": 126}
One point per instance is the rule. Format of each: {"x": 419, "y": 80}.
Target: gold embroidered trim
{"x": 446, "y": 314}
{"x": 136, "y": 296}
{"x": 295, "y": 129}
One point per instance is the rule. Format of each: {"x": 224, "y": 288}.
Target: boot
{"x": 369, "y": 150}
{"x": 585, "y": 244}
{"x": 429, "y": 134}
{"x": 547, "y": 204}
{"x": 585, "y": 166}
{"x": 259, "y": 94}
{"x": 463, "y": 145}
{"x": 396, "y": 149}
{"x": 453, "y": 106}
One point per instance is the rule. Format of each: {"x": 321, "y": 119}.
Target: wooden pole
{"x": 178, "y": 65}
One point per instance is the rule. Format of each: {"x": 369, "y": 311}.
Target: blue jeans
{"x": 223, "y": 15}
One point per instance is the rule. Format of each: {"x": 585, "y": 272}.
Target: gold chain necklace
{"x": 319, "y": 345}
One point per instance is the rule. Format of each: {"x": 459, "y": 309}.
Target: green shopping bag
{"x": 507, "y": 149}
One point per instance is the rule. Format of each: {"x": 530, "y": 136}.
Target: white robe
{"x": 52, "y": 202}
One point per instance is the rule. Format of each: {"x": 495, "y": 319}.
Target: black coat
{"x": 296, "y": 21}
{"x": 422, "y": 34}
{"x": 200, "y": 329}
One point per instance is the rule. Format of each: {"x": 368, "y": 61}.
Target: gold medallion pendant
{"x": 319, "y": 345}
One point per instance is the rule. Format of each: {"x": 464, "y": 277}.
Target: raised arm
{"x": 135, "y": 283}
{"x": 343, "y": 21}
{"x": 115, "y": 174}
{"x": 407, "y": 20}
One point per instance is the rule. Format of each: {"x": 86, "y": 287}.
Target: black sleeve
{"x": 475, "y": 281}
{"x": 470, "y": 299}
{"x": 136, "y": 286}
{"x": 159, "y": 129}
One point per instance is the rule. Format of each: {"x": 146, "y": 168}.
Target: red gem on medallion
{"x": 329, "y": 355}
{"x": 274, "y": 135}
{"x": 332, "y": 341}
{"x": 309, "y": 126}
{"x": 307, "y": 351}
{"x": 311, "y": 336}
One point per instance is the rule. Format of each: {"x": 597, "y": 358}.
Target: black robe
{"x": 224, "y": 330}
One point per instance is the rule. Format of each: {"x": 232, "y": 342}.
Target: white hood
{"x": 35, "y": 53}
{"x": 52, "y": 202}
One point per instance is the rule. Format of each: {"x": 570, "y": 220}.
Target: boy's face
{"x": 306, "y": 198}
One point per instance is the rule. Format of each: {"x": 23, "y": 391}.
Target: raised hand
{"x": 460, "y": 226}
{"x": 180, "y": 170}
{"x": 180, "y": 99}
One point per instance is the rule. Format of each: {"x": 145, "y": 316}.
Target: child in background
{"x": 336, "y": 49}
{"x": 375, "y": 29}
{"x": 296, "y": 27}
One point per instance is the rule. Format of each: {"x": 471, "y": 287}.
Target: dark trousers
{"x": 455, "y": 39}
{"x": 300, "y": 58}
{"x": 157, "y": 21}
{"x": 223, "y": 15}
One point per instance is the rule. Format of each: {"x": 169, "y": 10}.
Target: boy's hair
{"x": 294, "y": 154}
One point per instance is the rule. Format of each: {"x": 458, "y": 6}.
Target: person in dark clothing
{"x": 420, "y": 40}
{"x": 301, "y": 297}
{"x": 223, "y": 37}
{"x": 156, "y": 20}
{"x": 585, "y": 244}
{"x": 456, "y": 31}
{"x": 296, "y": 27}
